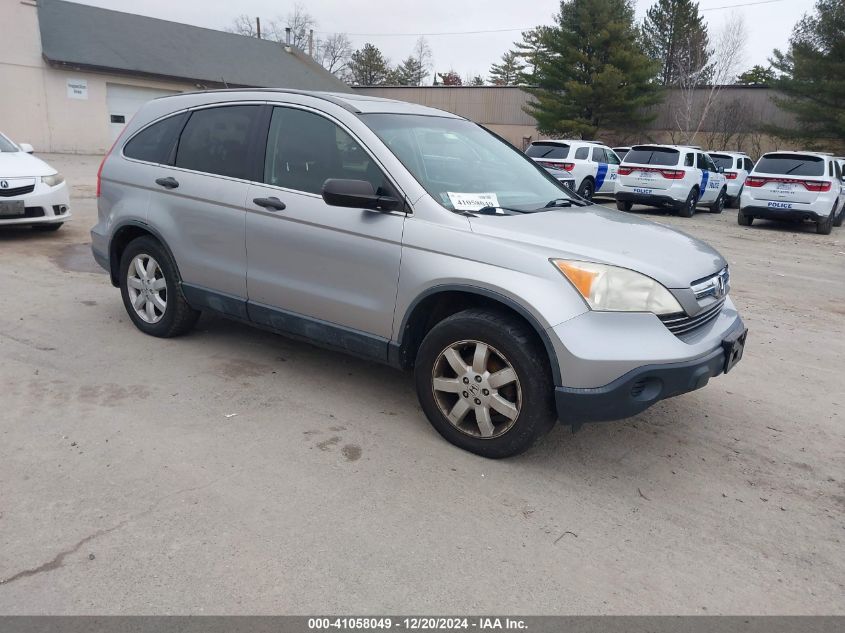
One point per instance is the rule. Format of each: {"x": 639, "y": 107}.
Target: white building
{"x": 72, "y": 75}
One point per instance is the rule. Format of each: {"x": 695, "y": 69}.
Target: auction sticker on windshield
{"x": 472, "y": 201}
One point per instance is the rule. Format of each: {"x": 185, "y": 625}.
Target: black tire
{"x": 744, "y": 220}
{"x": 719, "y": 203}
{"x": 178, "y": 318}
{"x": 518, "y": 344}
{"x": 624, "y": 206}
{"x": 824, "y": 227}
{"x": 839, "y": 217}
{"x": 687, "y": 209}
{"x": 732, "y": 202}
{"x": 47, "y": 228}
{"x": 587, "y": 189}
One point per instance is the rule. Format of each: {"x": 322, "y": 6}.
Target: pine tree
{"x": 756, "y": 76}
{"x": 594, "y": 74}
{"x": 368, "y": 67}
{"x": 675, "y": 35}
{"x": 813, "y": 75}
{"x": 532, "y": 49}
{"x": 509, "y": 72}
{"x": 410, "y": 73}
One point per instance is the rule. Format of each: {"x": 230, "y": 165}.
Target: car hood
{"x": 602, "y": 235}
{"x": 22, "y": 165}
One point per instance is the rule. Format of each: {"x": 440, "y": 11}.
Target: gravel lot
{"x": 234, "y": 471}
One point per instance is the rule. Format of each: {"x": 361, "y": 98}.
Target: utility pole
{"x": 311, "y": 43}
{"x": 258, "y": 26}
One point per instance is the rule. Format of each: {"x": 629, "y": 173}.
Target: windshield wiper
{"x": 558, "y": 202}
{"x": 491, "y": 210}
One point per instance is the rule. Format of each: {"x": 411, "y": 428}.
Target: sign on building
{"x": 77, "y": 88}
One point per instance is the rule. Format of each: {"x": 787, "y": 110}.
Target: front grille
{"x": 680, "y": 323}
{"x": 17, "y": 191}
{"x": 29, "y": 212}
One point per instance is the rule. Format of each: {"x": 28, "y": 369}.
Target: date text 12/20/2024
{"x": 416, "y": 623}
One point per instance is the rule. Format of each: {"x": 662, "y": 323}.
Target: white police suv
{"x": 737, "y": 166}
{"x": 673, "y": 176}
{"x": 795, "y": 186}
{"x": 592, "y": 165}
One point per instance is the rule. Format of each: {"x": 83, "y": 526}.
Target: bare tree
{"x": 699, "y": 90}
{"x": 423, "y": 57}
{"x": 244, "y": 25}
{"x": 300, "y": 23}
{"x": 334, "y": 53}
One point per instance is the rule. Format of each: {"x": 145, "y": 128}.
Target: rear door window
{"x": 547, "y": 150}
{"x": 598, "y": 155}
{"x": 644, "y": 155}
{"x": 217, "y": 141}
{"x": 612, "y": 158}
{"x": 700, "y": 162}
{"x": 305, "y": 149}
{"x": 155, "y": 143}
{"x": 791, "y": 165}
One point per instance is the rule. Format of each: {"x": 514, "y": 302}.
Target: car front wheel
{"x": 484, "y": 383}
{"x": 587, "y": 189}
{"x": 719, "y": 204}
{"x": 152, "y": 292}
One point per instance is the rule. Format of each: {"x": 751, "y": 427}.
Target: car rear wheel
{"x": 687, "y": 209}
{"x": 839, "y": 217}
{"x": 744, "y": 220}
{"x": 624, "y": 206}
{"x": 484, "y": 383}
{"x": 719, "y": 203}
{"x": 824, "y": 227}
{"x": 152, "y": 291}
{"x": 587, "y": 189}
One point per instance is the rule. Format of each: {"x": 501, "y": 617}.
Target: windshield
{"x": 725, "y": 162}
{"x": 6, "y": 145}
{"x": 652, "y": 156}
{"x": 463, "y": 166}
{"x": 791, "y": 164}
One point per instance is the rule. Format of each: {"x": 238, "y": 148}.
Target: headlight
{"x": 53, "y": 180}
{"x": 617, "y": 289}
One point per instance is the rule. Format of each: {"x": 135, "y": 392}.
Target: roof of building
{"x": 79, "y": 35}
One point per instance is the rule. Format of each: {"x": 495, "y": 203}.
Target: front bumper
{"x": 805, "y": 213}
{"x": 615, "y": 365}
{"x": 638, "y": 389}
{"x": 44, "y": 205}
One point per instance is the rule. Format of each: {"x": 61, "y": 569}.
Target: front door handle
{"x": 167, "y": 183}
{"x": 271, "y": 204}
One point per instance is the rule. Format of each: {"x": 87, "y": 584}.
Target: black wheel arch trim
{"x": 114, "y": 262}
{"x": 397, "y": 351}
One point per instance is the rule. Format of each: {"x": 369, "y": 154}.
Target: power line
{"x": 527, "y": 28}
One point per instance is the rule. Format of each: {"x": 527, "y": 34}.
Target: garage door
{"x": 124, "y": 101}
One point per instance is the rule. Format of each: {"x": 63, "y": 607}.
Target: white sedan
{"x": 31, "y": 192}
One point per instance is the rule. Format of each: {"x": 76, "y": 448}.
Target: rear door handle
{"x": 271, "y": 204}
{"x": 167, "y": 183}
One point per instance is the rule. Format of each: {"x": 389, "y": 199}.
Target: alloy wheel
{"x": 476, "y": 389}
{"x": 147, "y": 288}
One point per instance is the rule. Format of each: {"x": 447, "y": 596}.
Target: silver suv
{"x": 416, "y": 238}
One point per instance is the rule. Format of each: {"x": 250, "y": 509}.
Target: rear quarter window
{"x": 653, "y": 156}
{"x": 791, "y": 165}
{"x": 547, "y": 150}
{"x": 155, "y": 143}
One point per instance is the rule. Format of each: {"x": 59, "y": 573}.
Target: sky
{"x": 394, "y": 26}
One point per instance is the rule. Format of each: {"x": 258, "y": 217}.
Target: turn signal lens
{"x": 582, "y": 279}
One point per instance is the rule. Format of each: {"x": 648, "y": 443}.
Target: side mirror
{"x": 357, "y": 194}
{"x": 26, "y": 147}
